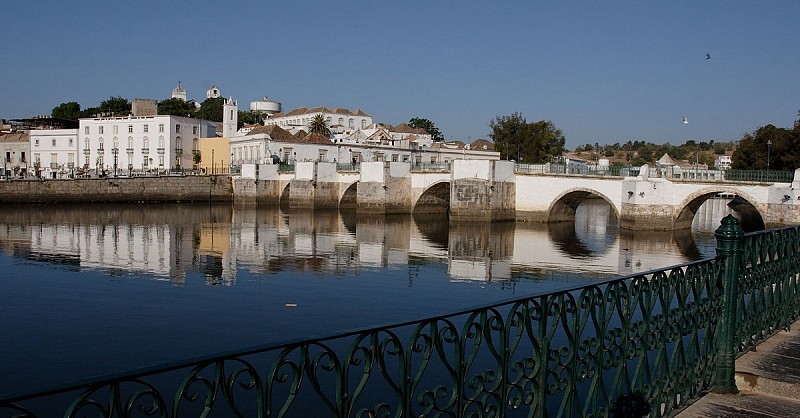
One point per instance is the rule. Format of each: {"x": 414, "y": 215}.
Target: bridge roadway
{"x": 768, "y": 381}
{"x": 472, "y": 190}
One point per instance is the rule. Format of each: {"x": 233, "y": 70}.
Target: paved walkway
{"x": 768, "y": 380}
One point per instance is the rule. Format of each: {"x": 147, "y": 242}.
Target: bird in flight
{"x": 708, "y": 56}
{"x": 685, "y": 121}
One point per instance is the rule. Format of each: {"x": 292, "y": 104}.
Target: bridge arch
{"x": 349, "y": 199}
{"x": 435, "y": 199}
{"x": 283, "y": 199}
{"x": 563, "y": 207}
{"x": 746, "y": 209}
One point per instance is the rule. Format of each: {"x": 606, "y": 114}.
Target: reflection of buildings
{"x": 145, "y": 248}
{"x": 171, "y": 241}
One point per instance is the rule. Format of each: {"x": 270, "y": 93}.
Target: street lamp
{"x": 769, "y": 146}
{"x": 115, "y": 151}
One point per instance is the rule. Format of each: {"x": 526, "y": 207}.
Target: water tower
{"x": 266, "y": 106}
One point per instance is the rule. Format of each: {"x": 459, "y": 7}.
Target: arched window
{"x": 351, "y": 123}
{"x": 363, "y": 123}
{"x": 341, "y": 121}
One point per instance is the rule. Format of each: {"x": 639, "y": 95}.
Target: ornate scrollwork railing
{"x": 647, "y": 343}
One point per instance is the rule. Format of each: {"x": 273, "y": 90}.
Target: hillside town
{"x": 146, "y": 143}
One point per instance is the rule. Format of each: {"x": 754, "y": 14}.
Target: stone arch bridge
{"x": 486, "y": 190}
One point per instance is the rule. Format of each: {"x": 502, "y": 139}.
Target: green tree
{"x": 90, "y": 112}
{"x": 68, "y": 110}
{"x": 319, "y": 125}
{"x": 428, "y": 126}
{"x": 115, "y": 106}
{"x": 536, "y": 142}
{"x": 211, "y": 109}
{"x": 781, "y": 146}
{"x": 250, "y": 118}
{"x": 176, "y": 107}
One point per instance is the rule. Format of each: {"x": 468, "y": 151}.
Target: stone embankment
{"x": 119, "y": 190}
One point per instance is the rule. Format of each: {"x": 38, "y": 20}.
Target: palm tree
{"x": 318, "y": 125}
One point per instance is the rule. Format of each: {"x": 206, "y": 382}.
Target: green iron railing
{"x": 435, "y": 167}
{"x": 764, "y": 176}
{"x": 286, "y": 168}
{"x": 643, "y": 344}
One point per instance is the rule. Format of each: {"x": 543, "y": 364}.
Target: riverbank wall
{"x": 119, "y": 190}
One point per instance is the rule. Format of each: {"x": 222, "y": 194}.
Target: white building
{"x": 723, "y": 162}
{"x": 339, "y": 120}
{"x": 54, "y": 152}
{"x": 140, "y": 143}
{"x": 16, "y": 150}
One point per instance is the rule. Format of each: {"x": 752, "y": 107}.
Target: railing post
{"x": 729, "y": 245}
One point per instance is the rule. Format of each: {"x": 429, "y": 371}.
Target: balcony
{"x": 178, "y": 151}
{"x": 145, "y": 151}
{"x": 160, "y": 150}
{"x": 54, "y": 166}
{"x": 129, "y": 150}
{"x": 87, "y": 151}
{"x": 100, "y": 151}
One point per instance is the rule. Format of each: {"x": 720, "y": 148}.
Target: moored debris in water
{"x": 291, "y": 305}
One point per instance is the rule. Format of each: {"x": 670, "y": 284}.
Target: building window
{"x": 363, "y": 123}
{"x": 394, "y": 158}
{"x": 146, "y": 128}
{"x": 36, "y": 142}
{"x": 8, "y": 156}
{"x": 86, "y": 144}
{"x": 177, "y": 128}
{"x": 160, "y": 127}
{"x": 130, "y": 143}
{"x": 100, "y": 130}
{"x": 101, "y": 144}
{"x": 351, "y": 123}
{"x": 194, "y": 130}
{"x": 22, "y": 157}
{"x": 54, "y": 142}
{"x": 130, "y": 129}
{"x": 323, "y": 155}
{"x": 70, "y": 142}
{"x": 86, "y": 161}
{"x": 114, "y": 129}
{"x": 53, "y": 159}
{"x": 161, "y": 160}
{"x": 341, "y": 121}
{"x": 86, "y": 130}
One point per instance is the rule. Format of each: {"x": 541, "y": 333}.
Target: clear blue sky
{"x": 602, "y": 71}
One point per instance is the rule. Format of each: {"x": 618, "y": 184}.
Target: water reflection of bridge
{"x": 170, "y": 240}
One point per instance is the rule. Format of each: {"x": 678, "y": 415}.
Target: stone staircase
{"x": 768, "y": 380}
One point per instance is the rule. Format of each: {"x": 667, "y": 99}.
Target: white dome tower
{"x": 179, "y": 92}
{"x": 230, "y": 118}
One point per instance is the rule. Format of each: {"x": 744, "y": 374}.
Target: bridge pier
{"x": 482, "y": 190}
{"x": 384, "y": 188}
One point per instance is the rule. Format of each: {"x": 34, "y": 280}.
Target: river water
{"x": 91, "y": 290}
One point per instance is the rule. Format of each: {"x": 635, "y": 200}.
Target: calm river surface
{"x": 89, "y": 290}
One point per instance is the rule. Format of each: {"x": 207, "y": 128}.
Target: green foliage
{"x": 515, "y": 138}
{"x": 90, "y": 112}
{"x": 176, "y": 107}
{"x": 115, "y": 106}
{"x": 197, "y": 157}
{"x": 211, "y": 109}
{"x": 68, "y": 110}
{"x": 319, "y": 125}
{"x": 781, "y": 145}
{"x": 428, "y": 126}
{"x": 719, "y": 149}
{"x": 250, "y": 118}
